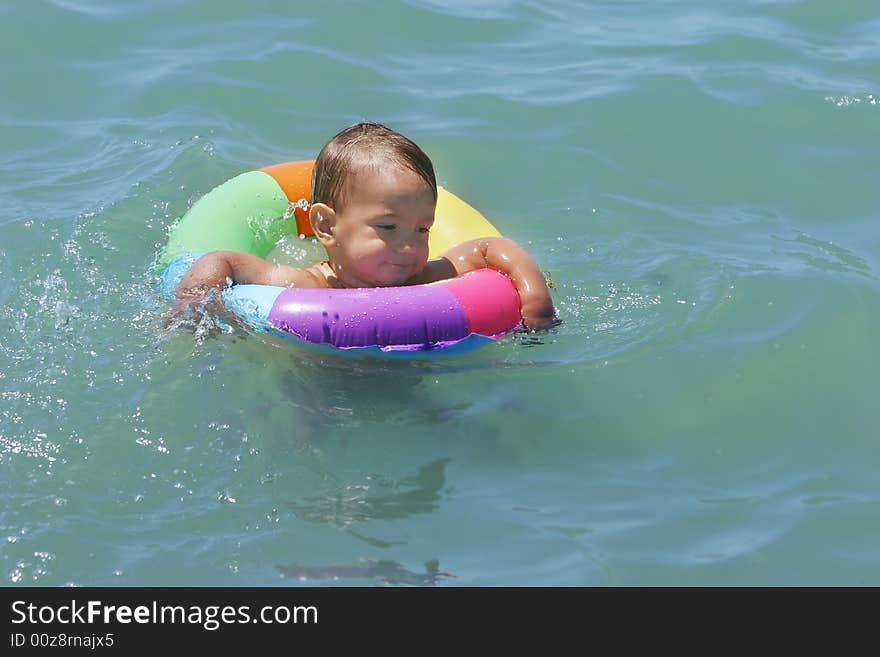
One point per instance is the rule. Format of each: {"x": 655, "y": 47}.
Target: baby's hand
{"x": 539, "y": 315}
{"x": 203, "y": 316}
{"x": 185, "y": 313}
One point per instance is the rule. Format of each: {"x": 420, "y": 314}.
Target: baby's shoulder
{"x": 308, "y": 277}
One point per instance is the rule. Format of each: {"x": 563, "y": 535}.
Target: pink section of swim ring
{"x": 489, "y": 300}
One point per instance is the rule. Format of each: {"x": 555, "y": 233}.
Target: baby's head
{"x": 365, "y": 145}
{"x": 373, "y": 198}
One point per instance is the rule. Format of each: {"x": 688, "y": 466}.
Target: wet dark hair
{"x": 362, "y": 144}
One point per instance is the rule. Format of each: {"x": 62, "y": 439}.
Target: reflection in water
{"x": 358, "y": 502}
{"x": 385, "y": 571}
{"x": 827, "y": 256}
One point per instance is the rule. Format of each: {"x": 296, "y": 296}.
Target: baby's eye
{"x": 386, "y": 226}
{"x": 424, "y": 229}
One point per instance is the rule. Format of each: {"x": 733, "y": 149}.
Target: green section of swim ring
{"x": 242, "y": 214}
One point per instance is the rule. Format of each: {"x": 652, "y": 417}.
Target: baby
{"x": 373, "y": 200}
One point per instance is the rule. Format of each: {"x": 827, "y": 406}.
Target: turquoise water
{"x": 699, "y": 179}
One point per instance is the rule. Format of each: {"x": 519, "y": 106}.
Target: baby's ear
{"x": 323, "y": 220}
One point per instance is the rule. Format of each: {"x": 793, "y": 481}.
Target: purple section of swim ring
{"x": 416, "y": 315}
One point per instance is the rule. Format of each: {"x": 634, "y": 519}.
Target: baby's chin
{"x": 379, "y": 281}
{"x": 395, "y": 276}
{"x": 386, "y": 275}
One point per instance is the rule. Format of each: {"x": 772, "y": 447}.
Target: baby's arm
{"x": 214, "y": 269}
{"x": 508, "y": 257}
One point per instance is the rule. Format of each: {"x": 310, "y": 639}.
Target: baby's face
{"x": 382, "y": 229}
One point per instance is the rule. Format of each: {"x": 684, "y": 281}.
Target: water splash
{"x": 847, "y": 101}
{"x": 293, "y": 206}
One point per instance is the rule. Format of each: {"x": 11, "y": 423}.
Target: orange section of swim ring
{"x": 295, "y": 179}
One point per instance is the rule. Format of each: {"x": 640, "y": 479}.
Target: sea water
{"x": 698, "y": 178}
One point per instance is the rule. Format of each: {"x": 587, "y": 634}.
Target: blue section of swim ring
{"x": 252, "y": 303}
{"x": 463, "y": 346}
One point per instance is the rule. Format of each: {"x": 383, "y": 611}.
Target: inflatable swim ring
{"x": 252, "y": 211}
